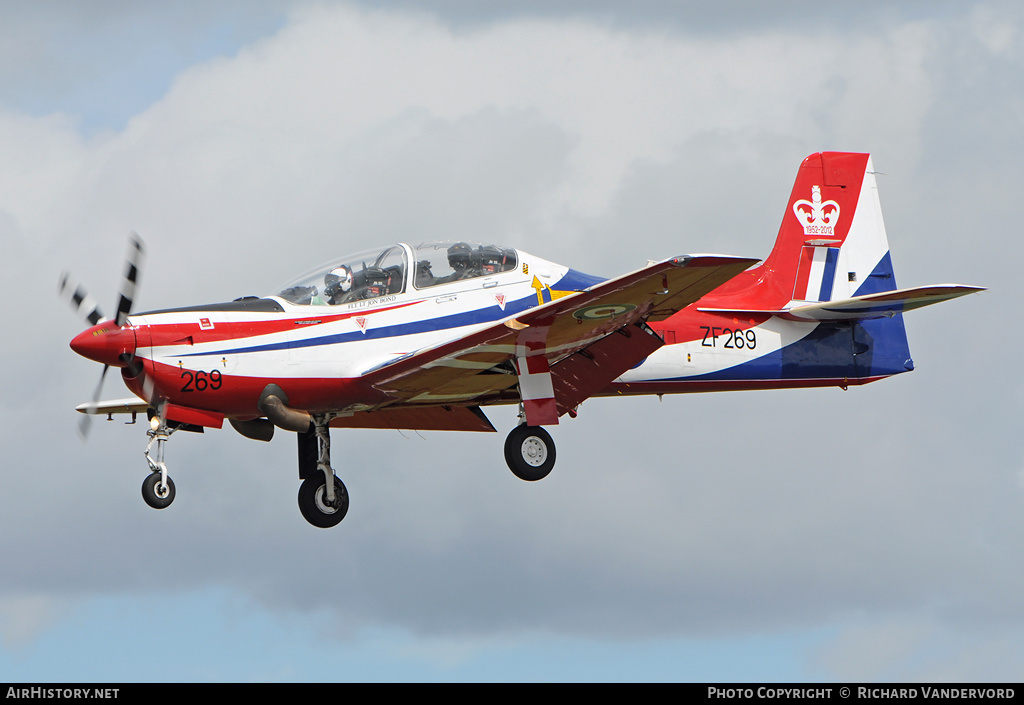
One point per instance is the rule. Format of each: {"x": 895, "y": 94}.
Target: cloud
{"x": 590, "y": 143}
{"x": 99, "y": 64}
{"x": 23, "y": 618}
{"x": 917, "y": 648}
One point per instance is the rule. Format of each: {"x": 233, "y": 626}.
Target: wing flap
{"x": 444, "y": 418}
{"x": 590, "y": 370}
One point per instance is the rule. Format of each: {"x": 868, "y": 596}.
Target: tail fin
{"x": 831, "y": 265}
{"x": 831, "y": 257}
{"x": 832, "y": 242}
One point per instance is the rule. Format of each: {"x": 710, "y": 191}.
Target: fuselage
{"x": 319, "y": 341}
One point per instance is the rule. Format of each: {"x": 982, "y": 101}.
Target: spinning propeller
{"x": 106, "y": 341}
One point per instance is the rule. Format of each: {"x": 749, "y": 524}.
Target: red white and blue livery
{"x": 424, "y": 336}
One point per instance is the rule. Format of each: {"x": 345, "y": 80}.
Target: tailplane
{"x": 831, "y": 266}
{"x": 831, "y": 257}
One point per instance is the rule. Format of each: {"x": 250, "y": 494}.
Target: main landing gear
{"x": 323, "y": 498}
{"x": 529, "y": 452}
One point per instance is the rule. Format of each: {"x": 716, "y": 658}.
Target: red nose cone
{"x": 105, "y": 343}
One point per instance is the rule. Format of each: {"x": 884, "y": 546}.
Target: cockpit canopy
{"x": 443, "y": 262}
{"x": 376, "y": 273}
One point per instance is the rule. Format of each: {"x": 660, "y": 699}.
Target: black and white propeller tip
{"x": 86, "y": 306}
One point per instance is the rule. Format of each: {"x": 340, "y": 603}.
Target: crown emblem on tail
{"x": 817, "y": 217}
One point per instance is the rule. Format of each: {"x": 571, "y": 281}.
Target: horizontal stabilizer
{"x": 882, "y": 305}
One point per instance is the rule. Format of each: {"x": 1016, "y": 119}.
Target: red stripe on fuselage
{"x": 237, "y": 395}
{"x": 166, "y": 334}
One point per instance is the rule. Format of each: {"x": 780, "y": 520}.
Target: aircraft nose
{"x": 105, "y": 342}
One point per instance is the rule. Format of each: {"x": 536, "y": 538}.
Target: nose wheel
{"x": 158, "y": 490}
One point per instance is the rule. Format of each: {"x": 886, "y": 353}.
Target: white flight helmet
{"x": 338, "y": 281}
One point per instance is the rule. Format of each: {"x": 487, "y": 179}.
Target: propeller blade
{"x": 86, "y": 422}
{"x": 79, "y": 298}
{"x": 86, "y": 306}
{"x": 133, "y": 261}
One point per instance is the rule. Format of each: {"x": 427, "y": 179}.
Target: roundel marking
{"x": 601, "y": 311}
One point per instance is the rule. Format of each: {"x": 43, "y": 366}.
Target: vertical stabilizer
{"x": 831, "y": 244}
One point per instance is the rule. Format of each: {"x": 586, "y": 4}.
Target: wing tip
{"x": 711, "y": 260}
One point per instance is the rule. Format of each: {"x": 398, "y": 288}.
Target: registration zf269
{"x": 734, "y": 339}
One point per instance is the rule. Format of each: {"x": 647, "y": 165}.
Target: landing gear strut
{"x": 158, "y": 488}
{"x": 323, "y": 498}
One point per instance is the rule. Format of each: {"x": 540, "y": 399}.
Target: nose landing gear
{"x": 158, "y": 488}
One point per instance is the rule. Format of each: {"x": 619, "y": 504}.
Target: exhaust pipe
{"x": 274, "y": 405}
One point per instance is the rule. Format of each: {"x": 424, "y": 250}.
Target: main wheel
{"x": 313, "y": 502}
{"x": 157, "y": 494}
{"x": 529, "y": 452}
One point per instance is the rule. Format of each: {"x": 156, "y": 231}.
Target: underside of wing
{"x": 134, "y": 405}
{"x": 483, "y": 365}
{"x": 442, "y": 418}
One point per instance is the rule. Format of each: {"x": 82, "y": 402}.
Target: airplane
{"x": 424, "y": 336}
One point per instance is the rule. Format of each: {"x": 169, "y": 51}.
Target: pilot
{"x": 424, "y": 277}
{"x": 338, "y": 284}
{"x": 460, "y": 256}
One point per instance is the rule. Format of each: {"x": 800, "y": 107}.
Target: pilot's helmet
{"x": 338, "y": 281}
{"x": 491, "y": 259}
{"x": 459, "y": 256}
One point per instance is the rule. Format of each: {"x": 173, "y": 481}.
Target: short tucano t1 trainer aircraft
{"x": 423, "y": 336}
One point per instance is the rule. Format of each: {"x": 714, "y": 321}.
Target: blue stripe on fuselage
{"x": 457, "y": 320}
{"x": 572, "y": 281}
{"x": 575, "y": 280}
{"x": 875, "y": 347}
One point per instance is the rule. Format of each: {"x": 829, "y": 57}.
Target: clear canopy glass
{"x": 364, "y": 275}
{"x": 443, "y": 262}
{"x": 377, "y": 273}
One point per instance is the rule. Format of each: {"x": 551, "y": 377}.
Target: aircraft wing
{"x": 576, "y": 336}
{"x": 134, "y": 405}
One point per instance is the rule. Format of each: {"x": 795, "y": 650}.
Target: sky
{"x": 809, "y": 535}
